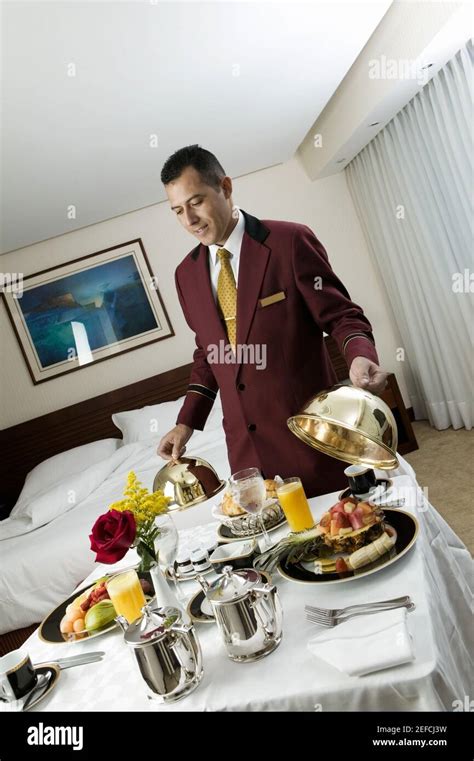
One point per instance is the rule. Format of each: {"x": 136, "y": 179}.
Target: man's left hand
{"x": 367, "y": 375}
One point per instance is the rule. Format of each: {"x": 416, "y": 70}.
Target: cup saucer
{"x": 199, "y": 609}
{"x": 52, "y": 674}
{"x": 385, "y": 483}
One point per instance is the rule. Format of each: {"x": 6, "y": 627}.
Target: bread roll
{"x": 270, "y": 486}
{"x": 230, "y": 507}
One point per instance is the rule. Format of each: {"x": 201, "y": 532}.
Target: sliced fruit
{"x": 325, "y": 521}
{"x": 373, "y": 551}
{"x": 78, "y": 625}
{"x": 66, "y": 627}
{"x": 100, "y": 615}
{"x": 341, "y": 565}
{"x": 355, "y": 518}
{"x": 73, "y": 614}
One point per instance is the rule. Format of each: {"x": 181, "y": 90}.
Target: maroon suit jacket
{"x": 276, "y": 258}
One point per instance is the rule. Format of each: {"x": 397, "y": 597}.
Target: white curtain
{"x": 412, "y": 188}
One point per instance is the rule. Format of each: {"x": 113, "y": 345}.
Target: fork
{"x": 333, "y": 616}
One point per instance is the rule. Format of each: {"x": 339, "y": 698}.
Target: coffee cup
{"x": 361, "y": 479}
{"x": 183, "y": 563}
{"x": 200, "y": 560}
{"x": 17, "y": 675}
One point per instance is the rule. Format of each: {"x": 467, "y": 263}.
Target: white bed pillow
{"x": 155, "y": 420}
{"x": 61, "y": 466}
{"x": 70, "y": 492}
{"x": 147, "y": 422}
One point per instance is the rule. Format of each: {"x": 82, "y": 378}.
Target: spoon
{"x": 43, "y": 681}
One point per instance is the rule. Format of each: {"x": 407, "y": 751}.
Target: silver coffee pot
{"x": 248, "y": 612}
{"x": 166, "y": 651}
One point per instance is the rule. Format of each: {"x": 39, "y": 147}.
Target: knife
{"x": 74, "y": 660}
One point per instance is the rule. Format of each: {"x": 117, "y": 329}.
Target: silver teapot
{"x": 166, "y": 651}
{"x": 248, "y": 613}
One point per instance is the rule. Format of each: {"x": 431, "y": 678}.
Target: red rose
{"x": 112, "y": 535}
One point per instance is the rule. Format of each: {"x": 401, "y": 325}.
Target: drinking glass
{"x": 248, "y": 490}
{"x": 126, "y": 593}
{"x": 166, "y": 547}
{"x": 292, "y": 499}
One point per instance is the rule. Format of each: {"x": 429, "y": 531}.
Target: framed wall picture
{"x": 88, "y": 310}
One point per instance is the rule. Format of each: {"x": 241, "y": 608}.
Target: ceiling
{"x": 244, "y": 79}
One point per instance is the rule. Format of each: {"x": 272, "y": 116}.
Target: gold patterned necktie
{"x": 227, "y": 295}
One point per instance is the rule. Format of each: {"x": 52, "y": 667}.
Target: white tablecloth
{"x": 435, "y": 573}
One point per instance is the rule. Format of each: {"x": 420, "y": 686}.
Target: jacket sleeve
{"x": 202, "y": 388}
{"x": 328, "y": 300}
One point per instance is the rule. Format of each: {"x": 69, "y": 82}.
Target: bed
{"x": 44, "y": 543}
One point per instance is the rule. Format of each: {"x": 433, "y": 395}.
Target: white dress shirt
{"x": 233, "y": 244}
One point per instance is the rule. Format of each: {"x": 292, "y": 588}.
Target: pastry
{"x": 270, "y": 486}
{"x": 230, "y": 507}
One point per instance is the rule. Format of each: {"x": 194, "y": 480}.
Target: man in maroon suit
{"x": 268, "y": 358}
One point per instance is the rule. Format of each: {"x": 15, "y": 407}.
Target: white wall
{"x": 281, "y": 192}
{"x": 415, "y": 32}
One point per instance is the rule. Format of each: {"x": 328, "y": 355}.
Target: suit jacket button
{"x": 252, "y": 427}
{"x": 241, "y": 386}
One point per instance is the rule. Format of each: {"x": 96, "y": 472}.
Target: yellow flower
{"x": 144, "y": 505}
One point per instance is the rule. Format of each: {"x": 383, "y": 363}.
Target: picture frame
{"x": 87, "y": 310}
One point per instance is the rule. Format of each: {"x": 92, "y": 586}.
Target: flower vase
{"x": 164, "y": 594}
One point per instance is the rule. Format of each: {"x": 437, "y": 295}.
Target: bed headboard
{"x": 25, "y": 445}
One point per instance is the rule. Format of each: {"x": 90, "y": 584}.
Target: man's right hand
{"x": 173, "y": 444}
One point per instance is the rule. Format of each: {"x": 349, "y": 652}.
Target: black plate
{"x": 405, "y": 525}
{"x": 224, "y": 533}
{"x": 49, "y": 629}
{"x": 195, "y": 612}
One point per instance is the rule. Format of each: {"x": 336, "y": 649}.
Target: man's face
{"x": 203, "y": 211}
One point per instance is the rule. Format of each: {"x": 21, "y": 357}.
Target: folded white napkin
{"x": 364, "y": 644}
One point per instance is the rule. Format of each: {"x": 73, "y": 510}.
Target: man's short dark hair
{"x": 203, "y": 161}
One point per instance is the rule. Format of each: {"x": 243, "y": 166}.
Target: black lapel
{"x": 253, "y": 227}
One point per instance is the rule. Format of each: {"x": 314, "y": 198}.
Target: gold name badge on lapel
{"x": 273, "y": 299}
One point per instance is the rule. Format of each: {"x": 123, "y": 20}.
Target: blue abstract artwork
{"x": 108, "y": 299}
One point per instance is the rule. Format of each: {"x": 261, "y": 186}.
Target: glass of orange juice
{"x": 293, "y": 500}
{"x": 126, "y": 593}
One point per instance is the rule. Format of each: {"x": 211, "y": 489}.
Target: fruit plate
{"x": 407, "y": 528}
{"x": 50, "y": 632}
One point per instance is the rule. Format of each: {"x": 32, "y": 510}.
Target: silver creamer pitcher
{"x": 166, "y": 651}
{"x": 248, "y": 613}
